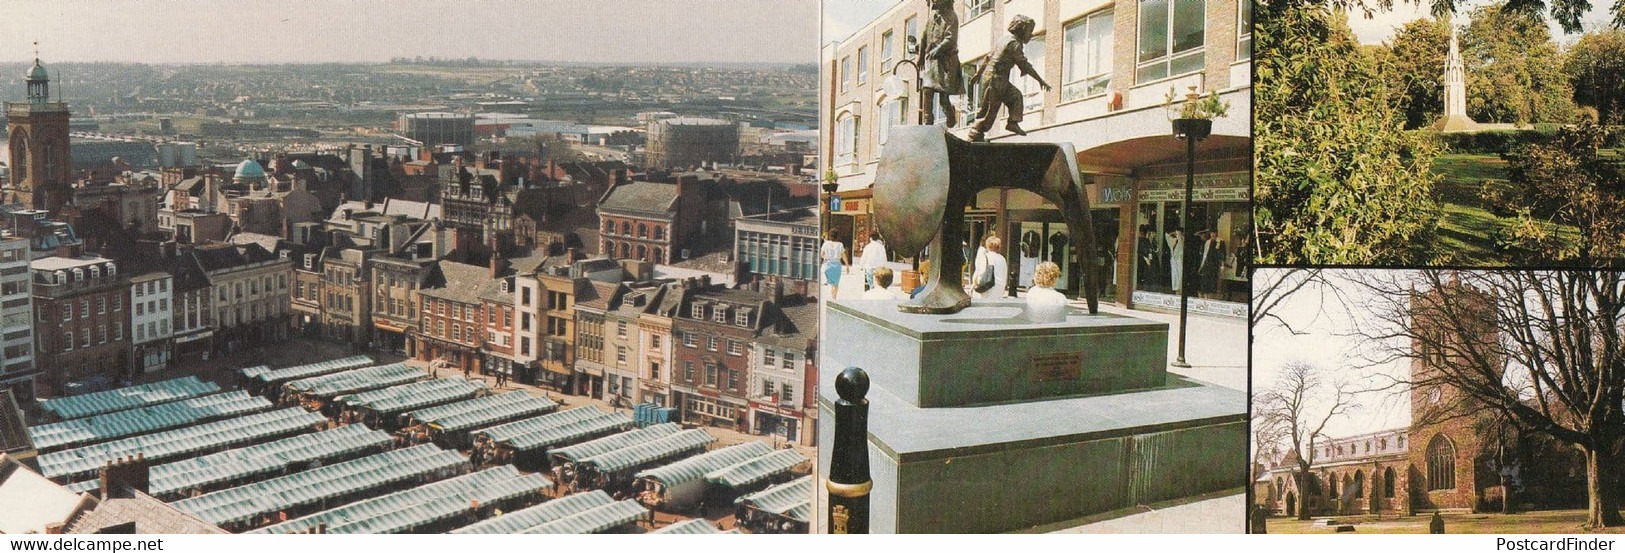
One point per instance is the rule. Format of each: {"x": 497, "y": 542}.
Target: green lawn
{"x": 1467, "y": 233}
{"x": 1537, "y": 522}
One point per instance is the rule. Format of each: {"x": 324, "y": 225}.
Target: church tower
{"x": 1444, "y": 444}
{"x": 41, "y": 163}
{"x": 1455, "y": 91}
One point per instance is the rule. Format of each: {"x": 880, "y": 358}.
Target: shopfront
{"x": 1205, "y": 247}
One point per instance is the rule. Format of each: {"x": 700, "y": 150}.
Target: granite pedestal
{"x": 981, "y": 421}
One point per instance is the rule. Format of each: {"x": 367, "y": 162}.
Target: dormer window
{"x": 698, "y": 311}
{"x": 78, "y": 275}
{"x": 95, "y": 272}
{"x": 112, "y": 269}
{"x": 310, "y": 260}
{"x": 720, "y": 314}
{"x": 61, "y": 277}
{"x": 742, "y": 318}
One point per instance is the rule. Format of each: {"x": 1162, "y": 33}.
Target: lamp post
{"x": 1193, "y": 130}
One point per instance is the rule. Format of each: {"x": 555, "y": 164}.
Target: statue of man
{"x": 939, "y": 62}
{"x": 997, "y": 90}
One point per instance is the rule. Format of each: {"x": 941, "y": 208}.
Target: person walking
{"x": 874, "y": 257}
{"x": 833, "y": 252}
{"x": 991, "y": 259}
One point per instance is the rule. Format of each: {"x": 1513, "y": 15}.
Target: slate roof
{"x": 641, "y": 197}
{"x": 221, "y": 257}
{"x": 149, "y": 515}
{"x": 13, "y": 429}
{"x": 463, "y": 282}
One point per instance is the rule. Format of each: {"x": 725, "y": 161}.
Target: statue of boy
{"x": 997, "y": 91}
{"x": 939, "y": 62}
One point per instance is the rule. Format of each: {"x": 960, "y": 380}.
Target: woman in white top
{"x": 989, "y": 259}
{"x": 1176, "y": 257}
{"x": 1044, "y": 304}
{"x": 833, "y": 252}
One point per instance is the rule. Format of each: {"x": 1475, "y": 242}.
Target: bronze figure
{"x": 926, "y": 179}
{"x": 997, "y": 90}
{"x": 939, "y": 62}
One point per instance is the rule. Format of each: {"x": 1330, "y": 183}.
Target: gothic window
{"x": 1388, "y": 483}
{"x": 1359, "y": 484}
{"x": 1441, "y": 464}
{"x": 19, "y": 159}
{"x": 643, "y": 230}
{"x": 626, "y": 228}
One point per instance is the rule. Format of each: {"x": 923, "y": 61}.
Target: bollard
{"x": 849, "y": 482}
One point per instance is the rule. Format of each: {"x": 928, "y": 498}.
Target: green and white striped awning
{"x": 426, "y": 504}
{"x": 85, "y": 405}
{"x": 607, "y": 444}
{"x": 681, "y": 443}
{"x": 296, "y": 372}
{"x": 696, "y": 467}
{"x": 141, "y": 420}
{"x": 175, "y": 443}
{"x": 537, "y": 515}
{"x": 595, "y": 520}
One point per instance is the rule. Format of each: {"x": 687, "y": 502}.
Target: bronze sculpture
{"x": 926, "y": 179}
{"x": 939, "y": 63}
{"x": 993, "y": 75}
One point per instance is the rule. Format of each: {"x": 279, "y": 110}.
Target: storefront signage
{"x": 1113, "y": 195}
{"x": 1197, "y": 195}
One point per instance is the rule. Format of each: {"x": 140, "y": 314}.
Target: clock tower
{"x": 41, "y": 163}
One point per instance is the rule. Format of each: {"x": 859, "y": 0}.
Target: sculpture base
{"x": 1012, "y": 467}
{"x": 990, "y": 352}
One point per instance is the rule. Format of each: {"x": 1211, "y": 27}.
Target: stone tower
{"x": 1444, "y": 443}
{"x": 1455, "y": 91}
{"x": 41, "y": 162}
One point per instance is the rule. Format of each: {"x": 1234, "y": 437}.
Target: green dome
{"x": 250, "y": 169}
{"x": 38, "y": 72}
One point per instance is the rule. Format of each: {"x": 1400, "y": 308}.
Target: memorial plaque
{"x": 1065, "y": 365}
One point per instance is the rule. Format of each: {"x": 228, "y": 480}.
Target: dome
{"x": 249, "y": 169}
{"x": 38, "y": 72}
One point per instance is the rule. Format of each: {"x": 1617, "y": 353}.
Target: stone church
{"x": 1439, "y": 462}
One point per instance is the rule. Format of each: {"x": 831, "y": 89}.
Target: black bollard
{"x": 849, "y": 482}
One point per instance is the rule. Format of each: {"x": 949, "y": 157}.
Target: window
{"x": 698, "y": 311}
{"x": 892, "y": 113}
{"x": 1441, "y": 464}
{"x": 1244, "y": 32}
{"x": 1172, "y": 36}
{"x": 1388, "y": 483}
{"x": 626, "y": 228}
{"x": 886, "y": 51}
{"x": 643, "y": 230}
{"x": 524, "y": 345}
{"x": 688, "y": 371}
{"x": 67, "y": 339}
{"x": 846, "y": 73}
{"x": 768, "y": 358}
{"x": 118, "y": 331}
{"x": 654, "y": 371}
{"x": 710, "y": 374}
{"x": 1087, "y": 56}
{"x": 767, "y": 388}
{"x": 974, "y": 8}
{"x": 733, "y": 380}
{"x": 742, "y": 318}
{"x": 84, "y": 309}
{"x": 620, "y": 328}
{"x": 1035, "y": 50}
{"x": 711, "y": 343}
{"x": 609, "y": 227}
{"x": 863, "y": 64}
{"x": 101, "y": 330}
{"x": 654, "y": 342}
{"x": 620, "y": 354}
{"x": 719, "y": 314}
{"x": 688, "y": 340}
{"x": 1359, "y": 485}
{"x": 84, "y": 336}
{"x": 789, "y": 361}
{"x": 138, "y": 307}
{"x": 735, "y": 347}
{"x": 788, "y": 395}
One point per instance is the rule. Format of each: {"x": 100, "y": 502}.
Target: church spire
{"x": 1455, "y": 88}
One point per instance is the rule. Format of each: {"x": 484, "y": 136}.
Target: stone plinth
{"x": 990, "y": 354}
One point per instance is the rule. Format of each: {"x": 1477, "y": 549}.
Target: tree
{"x": 1299, "y": 405}
{"x": 1565, "y": 182}
{"x": 1337, "y": 179}
{"x": 1545, "y": 349}
{"x": 1414, "y": 59}
{"x": 1596, "y": 68}
{"x": 1514, "y": 70}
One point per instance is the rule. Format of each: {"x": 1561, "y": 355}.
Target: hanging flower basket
{"x": 1193, "y": 128}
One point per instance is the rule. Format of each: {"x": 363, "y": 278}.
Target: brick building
{"x": 657, "y": 221}
{"x": 715, "y": 328}
{"x": 80, "y": 320}
{"x": 453, "y": 322}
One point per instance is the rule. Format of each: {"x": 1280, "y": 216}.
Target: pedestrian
{"x": 991, "y": 263}
{"x": 833, "y": 253}
{"x": 874, "y": 257}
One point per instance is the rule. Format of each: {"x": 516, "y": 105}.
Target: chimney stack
{"x": 122, "y": 477}
{"x": 496, "y": 261}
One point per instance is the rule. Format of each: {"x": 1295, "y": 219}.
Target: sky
{"x": 1382, "y": 25}
{"x": 293, "y": 31}
{"x": 1326, "y": 345}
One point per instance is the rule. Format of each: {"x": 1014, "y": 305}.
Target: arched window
{"x": 1359, "y": 484}
{"x": 609, "y": 227}
{"x": 1441, "y": 464}
{"x": 626, "y": 251}
{"x": 1331, "y": 480}
{"x": 643, "y": 230}
{"x": 1388, "y": 482}
{"x": 643, "y": 252}
{"x": 609, "y": 248}
{"x": 660, "y": 255}
{"x": 626, "y": 228}
{"x": 19, "y": 157}
{"x": 660, "y": 233}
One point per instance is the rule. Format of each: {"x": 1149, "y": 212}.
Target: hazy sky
{"x": 1326, "y": 345}
{"x": 1382, "y": 25}
{"x": 276, "y": 31}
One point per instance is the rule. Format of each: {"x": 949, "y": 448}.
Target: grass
{"x": 1567, "y": 521}
{"x": 1467, "y": 232}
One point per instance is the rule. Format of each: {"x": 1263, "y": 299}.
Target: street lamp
{"x": 894, "y": 86}
{"x": 1192, "y": 130}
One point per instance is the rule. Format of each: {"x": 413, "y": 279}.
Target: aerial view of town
{"x": 487, "y": 285}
